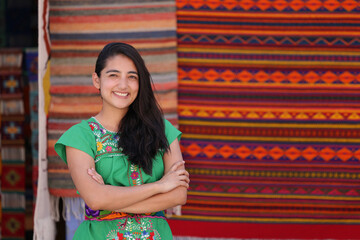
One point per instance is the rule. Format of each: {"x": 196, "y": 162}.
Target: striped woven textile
{"x": 12, "y": 145}
{"x": 269, "y": 107}
{"x": 78, "y": 31}
{"x": 31, "y": 73}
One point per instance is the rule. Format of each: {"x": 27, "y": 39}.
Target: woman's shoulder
{"x": 168, "y": 124}
{"x": 171, "y": 131}
{"x": 78, "y": 136}
{"x": 80, "y": 129}
{"x": 84, "y": 125}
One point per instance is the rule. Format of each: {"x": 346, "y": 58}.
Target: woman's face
{"x": 119, "y": 83}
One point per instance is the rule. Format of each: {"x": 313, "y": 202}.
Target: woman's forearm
{"x": 158, "y": 202}
{"x": 107, "y": 197}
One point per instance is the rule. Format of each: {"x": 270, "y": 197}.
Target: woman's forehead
{"x": 120, "y": 61}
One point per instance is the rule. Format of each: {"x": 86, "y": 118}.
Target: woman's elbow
{"x": 182, "y": 200}
{"x": 94, "y": 202}
{"x": 181, "y": 196}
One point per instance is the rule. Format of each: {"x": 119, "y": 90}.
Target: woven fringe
{"x": 74, "y": 215}
{"x": 54, "y": 208}
{"x": 45, "y": 229}
{"x": 173, "y": 211}
{"x": 13, "y": 200}
{"x": 73, "y": 207}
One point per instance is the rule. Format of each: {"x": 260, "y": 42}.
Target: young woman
{"x": 125, "y": 162}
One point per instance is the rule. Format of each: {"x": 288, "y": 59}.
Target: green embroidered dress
{"x": 101, "y": 144}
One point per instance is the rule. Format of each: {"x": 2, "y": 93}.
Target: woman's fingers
{"x": 183, "y": 175}
{"x": 182, "y": 172}
{"x": 184, "y": 178}
{"x": 97, "y": 177}
{"x": 184, "y": 183}
{"x": 176, "y": 165}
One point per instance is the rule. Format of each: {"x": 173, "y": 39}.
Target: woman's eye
{"x": 133, "y": 77}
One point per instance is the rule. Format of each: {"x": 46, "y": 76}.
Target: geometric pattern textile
{"x": 78, "y": 31}
{"x": 269, "y": 107}
{"x": 31, "y": 61}
{"x": 31, "y": 73}
{"x": 12, "y": 145}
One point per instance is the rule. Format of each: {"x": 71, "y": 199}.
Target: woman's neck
{"x": 110, "y": 119}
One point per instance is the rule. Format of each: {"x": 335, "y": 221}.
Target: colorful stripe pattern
{"x": 12, "y": 160}
{"x": 269, "y": 107}
{"x": 78, "y": 31}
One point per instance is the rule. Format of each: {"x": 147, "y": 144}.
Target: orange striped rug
{"x": 78, "y": 31}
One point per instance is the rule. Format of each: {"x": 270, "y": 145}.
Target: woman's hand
{"x": 97, "y": 177}
{"x": 175, "y": 177}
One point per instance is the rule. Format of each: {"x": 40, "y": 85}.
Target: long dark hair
{"x": 142, "y": 130}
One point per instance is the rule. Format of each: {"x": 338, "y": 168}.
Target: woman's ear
{"x": 96, "y": 80}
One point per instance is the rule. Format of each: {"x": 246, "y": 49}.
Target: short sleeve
{"x": 78, "y": 136}
{"x": 171, "y": 132}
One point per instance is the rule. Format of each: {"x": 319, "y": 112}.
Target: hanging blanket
{"x": 12, "y": 145}
{"x": 269, "y": 107}
{"x": 78, "y": 31}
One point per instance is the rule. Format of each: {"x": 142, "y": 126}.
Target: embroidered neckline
{"x": 102, "y": 125}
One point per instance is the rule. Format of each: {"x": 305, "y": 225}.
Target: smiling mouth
{"x": 121, "y": 94}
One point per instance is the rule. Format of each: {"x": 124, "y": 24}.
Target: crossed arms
{"x": 169, "y": 191}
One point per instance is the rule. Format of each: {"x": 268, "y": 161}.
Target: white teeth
{"x": 121, "y": 94}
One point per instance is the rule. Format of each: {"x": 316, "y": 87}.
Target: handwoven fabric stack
{"x": 12, "y": 145}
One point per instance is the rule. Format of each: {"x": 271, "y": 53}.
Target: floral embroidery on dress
{"x": 130, "y": 226}
{"x": 99, "y": 146}
{"x": 108, "y": 148}
{"x": 106, "y": 141}
{"x": 134, "y": 174}
{"x": 134, "y": 229}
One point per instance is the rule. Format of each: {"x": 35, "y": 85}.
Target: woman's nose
{"x": 122, "y": 83}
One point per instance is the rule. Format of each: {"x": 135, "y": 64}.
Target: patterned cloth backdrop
{"x": 31, "y": 72}
{"x": 12, "y": 145}
{"x": 269, "y": 107}
{"x": 78, "y": 31}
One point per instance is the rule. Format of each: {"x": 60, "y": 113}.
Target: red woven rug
{"x": 269, "y": 107}
{"x": 12, "y": 145}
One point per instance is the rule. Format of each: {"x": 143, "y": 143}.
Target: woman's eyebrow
{"x": 112, "y": 70}
{"x": 117, "y": 71}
